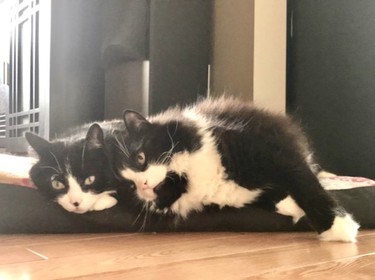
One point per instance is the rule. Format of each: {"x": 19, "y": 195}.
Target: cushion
{"x": 23, "y": 209}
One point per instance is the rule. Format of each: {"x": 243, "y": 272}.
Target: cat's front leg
{"x": 170, "y": 190}
{"x": 104, "y": 202}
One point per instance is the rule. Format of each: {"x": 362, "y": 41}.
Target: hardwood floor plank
{"x": 146, "y": 250}
{"x": 183, "y": 255}
{"x": 17, "y": 255}
{"x": 8, "y": 240}
{"x": 249, "y": 264}
{"x": 148, "y": 243}
{"x": 361, "y": 267}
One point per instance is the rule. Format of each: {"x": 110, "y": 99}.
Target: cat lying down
{"x": 229, "y": 153}
{"x": 221, "y": 152}
{"x": 75, "y": 171}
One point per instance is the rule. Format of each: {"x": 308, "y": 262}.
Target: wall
{"x": 331, "y": 85}
{"x": 249, "y": 51}
{"x": 232, "y": 48}
{"x": 269, "y": 80}
{"x": 77, "y": 77}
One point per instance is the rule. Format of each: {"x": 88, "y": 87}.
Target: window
{"x": 22, "y": 34}
{"x": 24, "y": 68}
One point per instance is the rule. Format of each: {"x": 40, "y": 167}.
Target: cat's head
{"x": 72, "y": 172}
{"x": 149, "y": 149}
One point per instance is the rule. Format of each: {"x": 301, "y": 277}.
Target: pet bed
{"x": 24, "y": 210}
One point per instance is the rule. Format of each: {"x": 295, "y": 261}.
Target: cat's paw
{"x": 344, "y": 228}
{"x": 289, "y": 207}
{"x": 104, "y": 202}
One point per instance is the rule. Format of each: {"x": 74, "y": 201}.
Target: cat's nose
{"x": 76, "y": 204}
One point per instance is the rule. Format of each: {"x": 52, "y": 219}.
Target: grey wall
{"x": 77, "y": 77}
{"x": 331, "y": 80}
{"x": 179, "y": 51}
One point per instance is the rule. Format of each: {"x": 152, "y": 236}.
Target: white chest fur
{"x": 207, "y": 178}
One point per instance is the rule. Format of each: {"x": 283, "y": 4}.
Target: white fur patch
{"x": 104, "y": 202}
{"x": 147, "y": 180}
{"x": 289, "y": 207}
{"x": 343, "y": 229}
{"x": 75, "y": 193}
{"x": 208, "y": 181}
{"x": 85, "y": 201}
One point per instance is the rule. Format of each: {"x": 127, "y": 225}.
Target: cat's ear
{"x": 39, "y": 144}
{"x": 95, "y": 136}
{"x": 135, "y": 122}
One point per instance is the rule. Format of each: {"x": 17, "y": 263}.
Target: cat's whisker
{"x": 167, "y": 155}
{"x": 121, "y": 150}
{"x": 57, "y": 162}
{"x": 147, "y": 208}
{"x": 139, "y": 215}
{"x": 164, "y": 157}
{"x": 173, "y": 145}
{"x": 122, "y": 147}
{"x": 83, "y": 155}
{"x": 146, "y": 216}
{"x": 50, "y": 167}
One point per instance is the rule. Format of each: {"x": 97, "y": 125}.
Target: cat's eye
{"x": 89, "y": 180}
{"x": 57, "y": 185}
{"x": 141, "y": 158}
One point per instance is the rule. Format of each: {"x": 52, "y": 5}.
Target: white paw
{"x": 343, "y": 229}
{"x": 288, "y": 207}
{"x": 104, "y": 202}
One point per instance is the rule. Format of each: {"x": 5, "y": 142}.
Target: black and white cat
{"x": 229, "y": 153}
{"x": 76, "y": 171}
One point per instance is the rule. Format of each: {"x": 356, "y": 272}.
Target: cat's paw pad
{"x": 104, "y": 202}
{"x": 344, "y": 228}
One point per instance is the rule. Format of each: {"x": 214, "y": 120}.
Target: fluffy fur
{"x": 228, "y": 153}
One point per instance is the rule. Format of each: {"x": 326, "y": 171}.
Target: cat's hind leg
{"x": 326, "y": 216}
{"x": 344, "y": 228}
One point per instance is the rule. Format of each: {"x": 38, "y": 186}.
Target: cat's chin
{"x": 76, "y": 210}
{"x": 79, "y": 211}
{"x": 147, "y": 195}
{"x": 90, "y": 202}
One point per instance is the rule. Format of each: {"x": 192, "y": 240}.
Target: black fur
{"x": 170, "y": 190}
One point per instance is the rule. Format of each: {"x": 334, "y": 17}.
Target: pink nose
{"x": 145, "y": 185}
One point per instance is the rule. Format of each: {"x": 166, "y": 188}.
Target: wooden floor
{"x": 185, "y": 256}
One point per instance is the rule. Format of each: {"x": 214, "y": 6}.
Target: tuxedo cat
{"x": 229, "y": 153}
{"x": 76, "y": 171}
